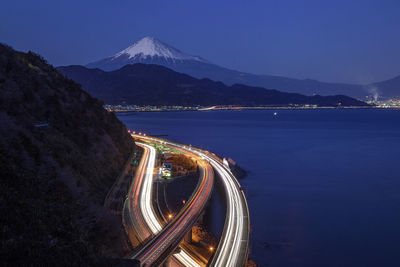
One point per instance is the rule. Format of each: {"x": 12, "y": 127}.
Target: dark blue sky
{"x": 342, "y": 40}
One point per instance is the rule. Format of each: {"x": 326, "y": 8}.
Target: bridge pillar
{"x": 188, "y": 236}
{"x": 167, "y": 263}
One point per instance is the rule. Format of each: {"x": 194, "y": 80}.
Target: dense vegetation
{"x": 146, "y": 84}
{"x": 60, "y": 152}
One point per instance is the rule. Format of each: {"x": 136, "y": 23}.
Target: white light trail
{"x": 234, "y": 242}
{"x": 147, "y": 208}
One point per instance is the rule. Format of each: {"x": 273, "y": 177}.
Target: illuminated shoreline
{"x": 127, "y": 109}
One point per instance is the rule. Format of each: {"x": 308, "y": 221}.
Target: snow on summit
{"x": 149, "y": 50}
{"x": 151, "y": 47}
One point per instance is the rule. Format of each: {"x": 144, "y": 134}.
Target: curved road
{"x": 233, "y": 245}
{"x": 133, "y": 220}
{"x": 164, "y": 243}
{"x": 140, "y": 220}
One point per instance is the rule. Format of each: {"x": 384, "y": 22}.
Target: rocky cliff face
{"x": 60, "y": 152}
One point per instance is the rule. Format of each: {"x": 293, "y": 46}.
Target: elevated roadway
{"x": 233, "y": 245}
{"x": 142, "y": 224}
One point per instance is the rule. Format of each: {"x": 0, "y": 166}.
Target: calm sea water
{"x": 323, "y": 186}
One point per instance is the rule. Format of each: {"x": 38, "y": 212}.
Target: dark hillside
{"x": 145, "y": 84}
{"x": 60, "y": 152}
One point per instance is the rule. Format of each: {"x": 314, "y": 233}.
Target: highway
{"x": 233, "y": 245}
{"x": 165, "y": 242}
{"x": 143, "y": 226}
{"x": 136, "y": 225}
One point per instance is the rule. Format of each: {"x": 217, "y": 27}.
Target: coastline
{"x": 278, "y": 187}
{"x": 127, "y": 111}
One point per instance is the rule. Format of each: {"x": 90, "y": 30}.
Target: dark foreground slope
{"x": 145, "y": 84}
{"x": 60, "y": 152}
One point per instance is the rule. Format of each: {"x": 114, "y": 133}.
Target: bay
{"x": 323, "y": 186}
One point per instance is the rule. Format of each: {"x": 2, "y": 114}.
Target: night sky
{"x": 335, "y": 41}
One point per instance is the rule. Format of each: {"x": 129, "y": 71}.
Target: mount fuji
{"x": 149, "y": 50}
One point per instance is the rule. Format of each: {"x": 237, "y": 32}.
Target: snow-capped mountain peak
{"x": 149, "y": 50}
{"x": 149, "y": 47}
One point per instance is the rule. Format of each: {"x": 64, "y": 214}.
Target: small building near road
{"x": 166, "y": 170}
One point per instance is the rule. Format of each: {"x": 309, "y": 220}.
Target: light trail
{"x": 229, "y": 248}
{"x": 145, "y": 220}
{"x": 164, "y": 243}
{"x": 145, "y": 200}
{"x": 233, "y": 246}
{"x": 132, "y": 216}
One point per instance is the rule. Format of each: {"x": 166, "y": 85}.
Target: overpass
{"x": 142, "y": 224}
{"x": 233, "y": 245}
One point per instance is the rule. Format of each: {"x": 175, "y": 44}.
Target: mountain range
{"x": 148, "y": 84}
{"x": 152, "y": 51}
